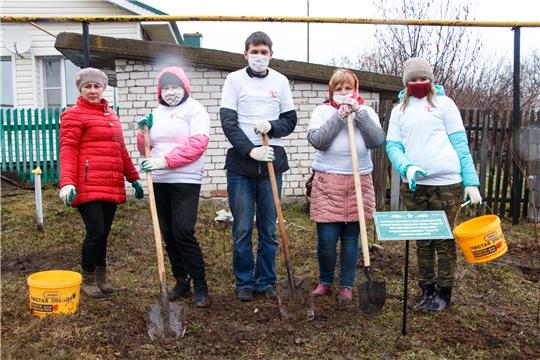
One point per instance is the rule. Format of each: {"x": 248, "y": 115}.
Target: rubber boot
{"x": 428, "y": 292}
{"x": 441, "y": 300}
{"x": 89, "y": 285}
{"x": 321, "y": 290}
{"x": 200, "y": 290}
{"x": 101, "y": 278}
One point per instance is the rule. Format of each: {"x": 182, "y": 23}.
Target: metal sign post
{"x": 411, "y": 225}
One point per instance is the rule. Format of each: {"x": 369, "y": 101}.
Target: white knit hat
{"x": 91, "y": 75}
{"x": 416, "y": 68}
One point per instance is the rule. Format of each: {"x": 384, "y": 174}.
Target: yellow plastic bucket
{"x": 54, "y": 292}
{"x": 481, "y": 239}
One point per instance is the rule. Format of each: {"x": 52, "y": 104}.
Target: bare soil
{"x": 494, "y": 313}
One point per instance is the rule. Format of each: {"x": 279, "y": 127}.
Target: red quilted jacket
{"x": 93, "y": 155}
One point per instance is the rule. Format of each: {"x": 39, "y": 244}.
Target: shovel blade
{"x": 297, "y": 305}
{"x": 157, "y": 320}
{"x": 372, "y": 296}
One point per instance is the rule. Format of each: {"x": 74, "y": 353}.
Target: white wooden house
{"x": 42, "y": 77}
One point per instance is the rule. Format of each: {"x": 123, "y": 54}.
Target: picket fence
{"x": 30, "y": 139}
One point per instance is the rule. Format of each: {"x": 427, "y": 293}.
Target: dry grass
{"x": 493, "y": 314}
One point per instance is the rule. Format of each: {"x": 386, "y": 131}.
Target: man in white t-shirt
{"x": 256, "y": 100}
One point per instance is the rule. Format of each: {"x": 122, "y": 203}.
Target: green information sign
{"x": 412, "y": 225}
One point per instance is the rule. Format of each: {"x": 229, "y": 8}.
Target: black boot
{"x": 428, "y": 292}
{"x": 200, "y": 298}
{"x": 441, "y": 300}
{"x": 181, "y": 288}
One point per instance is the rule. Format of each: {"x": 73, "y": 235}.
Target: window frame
{"x": 12, "y": 61}
{"x": 42, "y": 88}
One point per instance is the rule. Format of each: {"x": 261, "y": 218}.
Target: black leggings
{"x": 98, "y": 217}
{"x": 177, "y": 206}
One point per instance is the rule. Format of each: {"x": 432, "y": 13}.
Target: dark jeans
{"x": 98, "y": 217}
{"x": 177, "y": 206}
{"x": 244, "y": 194}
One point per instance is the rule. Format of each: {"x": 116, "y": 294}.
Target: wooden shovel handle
{"x": 153, "y": 211}
{"x": 284, "y": 239}
{"x": 358, "y": 190}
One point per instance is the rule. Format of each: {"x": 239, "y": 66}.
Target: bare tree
{"x": 493, "y": 87}
{"x": 448, "y": 49}
{"x": 472, "y": 76}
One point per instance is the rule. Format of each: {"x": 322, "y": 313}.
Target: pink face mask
{"x": 419, "y": 90}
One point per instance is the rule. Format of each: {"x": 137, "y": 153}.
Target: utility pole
{"x": 308, "y": 32}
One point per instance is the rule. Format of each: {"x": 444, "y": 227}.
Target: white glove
{"x": 472, "y": 193}
{"x": 411, "y": 176}
{"x": 153, "y": 164}
{"x": 262, "y": 153}
{"x": 68, "y": 194}
{"x": 262, "y": 127}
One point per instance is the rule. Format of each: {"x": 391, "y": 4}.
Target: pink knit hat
{"x": 91, "y": 75}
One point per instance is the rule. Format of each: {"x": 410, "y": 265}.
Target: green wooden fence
{"x": 30, "y": 139}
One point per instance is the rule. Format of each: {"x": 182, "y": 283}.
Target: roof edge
{"x": 105, "y": 50}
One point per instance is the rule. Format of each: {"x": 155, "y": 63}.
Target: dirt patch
{"x": 493, "y": 312}
{"x": 41, "y": 261}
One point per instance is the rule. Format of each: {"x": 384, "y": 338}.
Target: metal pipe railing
{"x": 299, "y": 19}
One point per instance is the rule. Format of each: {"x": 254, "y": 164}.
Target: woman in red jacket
{"x": 93, "y": 163}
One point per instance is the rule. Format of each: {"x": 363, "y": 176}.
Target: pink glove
{"x": 348, "y": 106}
{"x": 352, "y": 102}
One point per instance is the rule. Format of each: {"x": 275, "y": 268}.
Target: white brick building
{"x": 136, "y": 79}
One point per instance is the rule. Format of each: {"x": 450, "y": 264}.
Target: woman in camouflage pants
{"x": 427, "y": 144}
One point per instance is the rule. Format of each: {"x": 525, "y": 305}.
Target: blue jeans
{"x": 328, "y": 235}
{"x": 244, "y": 194}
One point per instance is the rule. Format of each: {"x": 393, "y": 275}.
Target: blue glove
{"x": 139, "y": 192}
{"x": 411, "y": 176}
{"x": 148, "y": 120}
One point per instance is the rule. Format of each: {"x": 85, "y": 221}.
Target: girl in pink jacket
{"x": 179, "y": 134}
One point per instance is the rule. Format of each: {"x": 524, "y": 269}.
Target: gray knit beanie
{"x": 416, "y": 68}
{"x": 91, "y": 75}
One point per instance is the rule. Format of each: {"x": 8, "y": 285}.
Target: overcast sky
{"x": 331, "y": 40}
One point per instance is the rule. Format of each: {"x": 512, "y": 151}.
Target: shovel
{"x": 294, "y": 295}
{"x": 372, "y": 294}
{"x": 164, "y": 320}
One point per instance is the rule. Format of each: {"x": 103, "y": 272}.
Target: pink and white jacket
{"x": 180, "y": 134}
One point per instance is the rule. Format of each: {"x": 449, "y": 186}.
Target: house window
{"x": 52, "y": 83}
{"x": 72, "y": 93}
{"x": 6, "y": 95}
{"x": 59, "y": 88}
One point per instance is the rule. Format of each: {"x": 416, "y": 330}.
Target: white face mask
{"x": 338, "y": 99}
{"x": 172, "y": 96}
{"x": 258, "y": 63}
